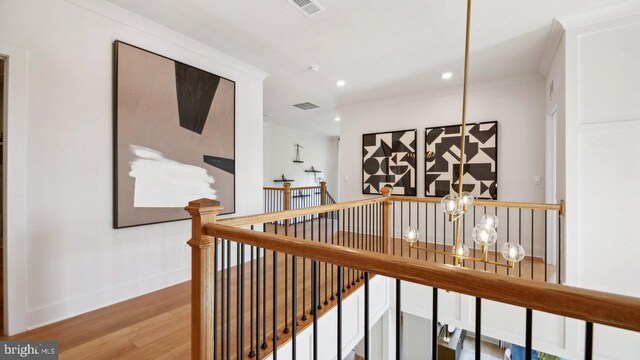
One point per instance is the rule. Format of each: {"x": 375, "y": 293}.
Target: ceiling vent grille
{"x": 306, "y": 106}
{"x": 308, "y": 7}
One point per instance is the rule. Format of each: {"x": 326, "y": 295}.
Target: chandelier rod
{"x": 464, "y": 98}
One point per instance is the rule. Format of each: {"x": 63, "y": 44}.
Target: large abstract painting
{"x": 389, "y": 159}
{"x": 174, "y": 137}
{"x": 442, "y": 160}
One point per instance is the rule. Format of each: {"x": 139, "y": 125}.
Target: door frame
{"x": 551, "y": 175}
{"x": 14, "y": 188}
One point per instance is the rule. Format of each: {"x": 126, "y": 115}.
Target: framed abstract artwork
{"x": 174, "y": 137}
{"x": 389, "y": 158}
{"x": 442, "y": 160}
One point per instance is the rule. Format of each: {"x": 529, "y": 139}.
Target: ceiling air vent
{"x": 306, "y": 105}
{"x": 308, "y": 7}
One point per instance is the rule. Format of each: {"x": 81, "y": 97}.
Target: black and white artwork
{"x": 442, "y": 160}
{"x": 389, "y": 159}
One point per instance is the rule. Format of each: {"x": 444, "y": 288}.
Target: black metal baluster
{"x": 304, "y": 275}
{"x": 341, "y": 288}
{"x": 474, "y": 243}
{"x": 241, "y": 305}
{"x": 434, "y": 325}
{"x": 401, "y": 229}
{"x": 520, "y": 239}
{"x": 588, "y": 341}
{"x": 435, "y": 232}
{"x": 252, "y": 353}
{"x": 264, "y": 297}
{"x": 444, "y": 238}
{"x": 332, "y": 243}
{"x": 478, "y": 328}
{"x": 495, "y": 253}
{"x": 257, "y": 338}
{"x": 426, "y": 229}
{"x": 545, "y": 245}
{"x": 228, "y": 316}
{"x": 275, "y": 305}
{"x": 367, "y": 331}
{"x": 398, "y": 327}
{"x": 508, "y": 232}
{"x": 409, "y": 204}
{"x": 314, "y": 291}
{"x": 215, "y": 301}
{"x": 528, "y": 336}
{"x": 339, "y": 321}
{"x": 349, "y": 244}
{"x": 532, "y": 244}
{"x": 326, "y": 274}
{"x": 393, "y": 229}
{"x": 294, "y": 304}
{"x": 418, "y": 227}
{"x": 222, "y": 297}
{"x": 318, "y": 269}
{"x": 286, "y": 285}
{"x": 559, "y": 262}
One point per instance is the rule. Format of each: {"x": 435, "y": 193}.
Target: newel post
{"x": 386, "y": 220}
{"x": 323, "y": 195}
{"x": 286, "y": 200}
{"x": 203, "y": 211}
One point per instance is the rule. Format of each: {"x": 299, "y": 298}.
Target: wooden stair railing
{"x": 363, "y": 246}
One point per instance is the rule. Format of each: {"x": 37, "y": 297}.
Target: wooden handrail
{"x": 290, "y": 214}
{"x": 588, "y": 305}
{"x": 292, "y": 188}
{"x": 491, "y": 203}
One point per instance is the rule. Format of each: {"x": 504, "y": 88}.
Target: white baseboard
{"x": 89, "y": 302}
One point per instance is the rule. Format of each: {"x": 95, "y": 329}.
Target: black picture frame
{"x": 411, "y": 192}
{"x": 116, "y": 158}
{"x": 449, "y": 128}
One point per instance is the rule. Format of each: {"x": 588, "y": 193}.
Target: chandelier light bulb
{"x": 489, "y": 220}
{"x": 460, "y": 250}
{"x": 411, "y": 235}
{"x": 450, "y": 204}
{"x": 466, "y": 198}
{"x": 484, "y": 235}
{"x": 512, "y": 252}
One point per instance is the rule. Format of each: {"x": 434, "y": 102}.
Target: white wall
{"x": 517, "y": 105}
{"x": 602, "y": 143}
{"x": 320, "y": 151}
{"x": 75, "y": 260}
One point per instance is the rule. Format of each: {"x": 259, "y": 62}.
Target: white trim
{"x": 15, "y": 188}
{"x": 600, "y": 14}
{"x": 554, "y": 39}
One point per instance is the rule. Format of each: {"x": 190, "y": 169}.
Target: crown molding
{"x": 600, "y": 14}
{"x": 556, "y": 33}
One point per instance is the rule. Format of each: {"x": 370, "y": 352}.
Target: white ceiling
{"x": 381, "y": 48}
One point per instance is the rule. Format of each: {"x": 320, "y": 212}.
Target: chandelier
{"x": 455, "y": 205}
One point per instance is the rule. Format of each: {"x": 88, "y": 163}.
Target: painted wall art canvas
{"x": 174, "y": 135}
{"x": 442, "y": 160}
{"x": 389, "y": 158}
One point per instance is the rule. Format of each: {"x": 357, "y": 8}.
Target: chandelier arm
{"x": 509, "y": 264}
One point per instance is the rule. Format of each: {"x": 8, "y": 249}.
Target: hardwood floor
{"x": 157, "y": 325}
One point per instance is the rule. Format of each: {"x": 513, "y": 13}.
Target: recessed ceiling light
{"x": 341, "y": 83}
{"x": 337, "y": 118}
{"x": 447, "y": 75}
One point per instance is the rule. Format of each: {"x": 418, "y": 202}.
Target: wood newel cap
{"x": 203, "y": 206}
{"x": 386, "y": 191}
{"x": 563, "y": 209}
{"x": 287, "y": 186}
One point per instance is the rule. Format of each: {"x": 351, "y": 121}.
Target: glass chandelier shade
{"x": 411, "y": 235}
{"x": 490, "y": 220}
{"x": 451, "y": 204}
{"x": 512, "y": 252}
{"x": 466, "y": 199}
{"x": 484, "y": 235}
{"x": 460, "y": 250}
